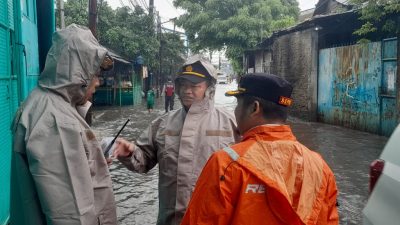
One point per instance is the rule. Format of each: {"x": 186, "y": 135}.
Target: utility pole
{"x": 151, "y": 7}
{"x": 151, "y": 14}
{"x": 93, "y": 16}
{"x": 174, "y": 20}
{"x": 398, "y": 73}
{"x": 61, "y": 9}
{"x": 187, "y": 45}
{"x": 160, "y": 50}
{"x": 92, "y": 27}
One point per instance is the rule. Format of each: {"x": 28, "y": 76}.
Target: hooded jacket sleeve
{"x": 144, "y": 157}
{"x": 60, "y": 171}
{"x": 212, "y": 202}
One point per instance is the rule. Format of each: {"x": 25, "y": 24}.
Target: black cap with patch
{"x": 195, "y": 73}
{"x": 266, "y": 86}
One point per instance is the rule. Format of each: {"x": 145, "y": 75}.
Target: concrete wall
{"x": 295, "y": 57}
{"x": 259, "y": 65}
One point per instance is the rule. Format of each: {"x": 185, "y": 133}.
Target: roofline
{"x": 301, "y": 26}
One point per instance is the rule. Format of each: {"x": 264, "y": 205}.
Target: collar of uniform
{"x": 201, "y": 106}
{"x": 270, "y": 132}
{"x": 83, "y": 109}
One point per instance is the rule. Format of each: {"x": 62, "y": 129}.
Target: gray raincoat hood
{"x": 74, "y": 58}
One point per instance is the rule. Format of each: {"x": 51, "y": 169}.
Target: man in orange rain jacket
{"x": 269, "y": 177}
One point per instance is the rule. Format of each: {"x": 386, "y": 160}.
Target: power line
{"x": 132, "y": 5}
{"x": 144, "y": 5}
{"x": 169, "y": 3}
{"x": 135, "y": 4}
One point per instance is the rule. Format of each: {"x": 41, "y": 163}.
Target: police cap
{"x": 266, "y": 86}
{"x": 195, "y": 73}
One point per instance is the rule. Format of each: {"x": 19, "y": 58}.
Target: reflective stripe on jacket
{"x": 181, "y": 144}
{"x": 268, "y": 178}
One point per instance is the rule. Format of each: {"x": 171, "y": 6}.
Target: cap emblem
{"x": 189, "y": 69}
{"x": 285, "y": 101}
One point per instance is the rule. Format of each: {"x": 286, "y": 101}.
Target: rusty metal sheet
{"x": 388, "y": 94}
{"x": 349, "y": 81}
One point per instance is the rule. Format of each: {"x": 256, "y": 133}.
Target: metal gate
{"x": 27, "y": 46}
{"x": 7, "y": 103}
{"x": 357, "y": 86}
{"x": 388, "y": 93}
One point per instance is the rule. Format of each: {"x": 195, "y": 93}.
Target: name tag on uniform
{"x": 220, "y": 133}
{"x": 172, "y": 133}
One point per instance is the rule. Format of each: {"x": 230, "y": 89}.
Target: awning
{"x": 117, "y": 57}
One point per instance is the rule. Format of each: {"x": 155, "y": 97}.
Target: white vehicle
{"x": 383, "y": 206}
{"x": 222, "y": 78}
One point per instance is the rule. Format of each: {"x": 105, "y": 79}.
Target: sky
{"x": 168, "y": 11}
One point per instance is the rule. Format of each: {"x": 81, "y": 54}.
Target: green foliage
{"x": 374, "y": 12}
{"x": 128, "y": 32}
{"x": 366, "y": 28}
{"x": 234, "y": 24}
{"x": 172, "y": 52}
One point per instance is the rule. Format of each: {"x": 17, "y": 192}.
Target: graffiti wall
{"x": 353, "y": 87}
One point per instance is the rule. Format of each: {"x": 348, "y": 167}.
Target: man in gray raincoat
{"x": 59, "y": 174}
{"x": 181, "y": 141}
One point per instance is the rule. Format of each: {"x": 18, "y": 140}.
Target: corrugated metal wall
{"x": 28, "y": 37}
{"x": 7, "y": 103}
{"x": 388, "y": 92}
{"x": 356, "y": 86}
{"x": 19, "y": 71}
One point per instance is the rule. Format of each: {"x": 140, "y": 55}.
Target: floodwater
{"x": 348, "y": 153}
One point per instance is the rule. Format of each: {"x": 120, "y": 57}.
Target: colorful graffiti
{"x": 352, "y": 84}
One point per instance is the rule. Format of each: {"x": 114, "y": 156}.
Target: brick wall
{"x": 294, "y": 57}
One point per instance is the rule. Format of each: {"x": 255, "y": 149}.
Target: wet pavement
{"x": 348, "y": 153}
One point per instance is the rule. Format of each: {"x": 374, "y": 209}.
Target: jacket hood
{"x": 73, "y": 59}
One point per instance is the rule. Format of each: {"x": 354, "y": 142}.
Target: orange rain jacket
{"x": 268, "y": 178}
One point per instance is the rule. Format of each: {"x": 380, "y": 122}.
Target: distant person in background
{"x": 150, "y": 99}
{"x": 59, "y": 174}
{"x": 169, "y": 95}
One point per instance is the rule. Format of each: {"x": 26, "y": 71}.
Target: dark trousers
{"x": 169, "y": 103}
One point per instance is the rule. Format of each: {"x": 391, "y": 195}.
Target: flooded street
{"x": 348, "y": 153}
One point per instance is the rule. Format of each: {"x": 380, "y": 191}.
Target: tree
{"x": 76, "y": 12}
{"x": 172, "y": 53}
{"x": 374, "y": 12}
{"x": 234, "y": 24}
{"x": 128, "y": 32}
